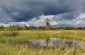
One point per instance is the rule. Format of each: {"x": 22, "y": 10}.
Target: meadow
{"x": 9, "y": 37}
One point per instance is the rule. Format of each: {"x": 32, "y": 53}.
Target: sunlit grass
{"x": 25, "y": 50}
{"x": 15, "y": 36}
{"x": 9, "y": 37}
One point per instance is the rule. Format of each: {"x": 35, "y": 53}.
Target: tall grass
{"x": 26, "y": 50}
{"x": 15, "y": 36}
{"x": 9, "y": 37}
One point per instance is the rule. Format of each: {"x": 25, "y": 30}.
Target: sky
{"x": 34, "y": 12}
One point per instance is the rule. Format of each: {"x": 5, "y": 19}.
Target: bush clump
{"x": 10, "y": 34}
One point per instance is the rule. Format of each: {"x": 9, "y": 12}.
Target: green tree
{"x": 47, "y": 21}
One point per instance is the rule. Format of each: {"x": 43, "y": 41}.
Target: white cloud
{"x": 5, "y": 25}
{"x": 81, "y": 16}
{"x": 55, "y": 20}
{"x": 43, "y": 17}
{"x": 53, "y": 23}
{"x": 40, "y": 21}
{"x": 80, "y": 20}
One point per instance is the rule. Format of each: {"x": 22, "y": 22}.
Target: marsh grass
{"x": 15, "y": 36}
{"x": 25, "y": 50}
{"x": 9, "y": 37}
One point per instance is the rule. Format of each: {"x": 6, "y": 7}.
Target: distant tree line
{"x": 16, "y": 27}
{"x": 69, "y": 28}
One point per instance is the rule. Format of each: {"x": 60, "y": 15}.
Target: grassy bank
{"x": 15, "y": 36}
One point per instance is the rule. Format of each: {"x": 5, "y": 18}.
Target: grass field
{"x": 10, "y": 37}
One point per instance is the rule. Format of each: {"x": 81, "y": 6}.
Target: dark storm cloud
{"x": 24, "y": 10}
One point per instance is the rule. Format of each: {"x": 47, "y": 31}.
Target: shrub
{"x": 10, "y": 34}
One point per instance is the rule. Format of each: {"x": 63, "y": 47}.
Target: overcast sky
{"x": 34, "y": 12}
